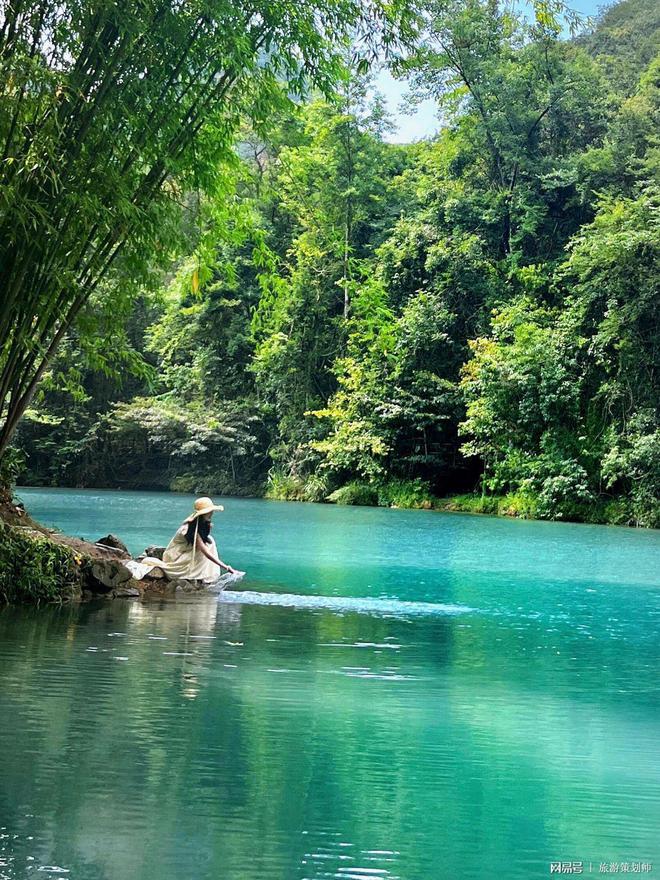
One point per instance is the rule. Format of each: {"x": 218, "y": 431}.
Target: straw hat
{"x": 202, "y": 506}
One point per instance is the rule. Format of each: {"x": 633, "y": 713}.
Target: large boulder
{"x": 105, "y": 575}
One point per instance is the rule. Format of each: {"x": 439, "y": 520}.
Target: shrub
{"x": 11, "y": 464}
{"x": 34, "y": 569}
{"x": 355, "y": 493}
{"x": 406, "y": 493}
{"x": 314, "y": 488}
{"x": 283, "y": 487}
{"x": 213, "y": 483}
{"x": 633, "y": 461}
{"x": 519, "y": 504}
{"x": 563, "y": 489}
{"x": 395, "y": 493}
{"x": 289, "y": 487}
{"x": 525, "y": 505}
{"x": 185, "y": 483}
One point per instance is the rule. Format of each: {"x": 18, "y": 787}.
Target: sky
{"x": 423, "y": 123}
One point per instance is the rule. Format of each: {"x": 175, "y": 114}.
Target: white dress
{"x": 183, "y": 560}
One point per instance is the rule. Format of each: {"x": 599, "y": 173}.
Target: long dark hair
{"x": 203, "y": 527}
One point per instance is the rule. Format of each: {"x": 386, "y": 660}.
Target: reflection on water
{"x": 473, "y": 726}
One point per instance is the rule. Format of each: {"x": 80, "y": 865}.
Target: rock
{"x": 108, "y": 574}
{"x": 126, "y": 591}
{"x": 156, "y": 552}
{"x": 185, "y": 586}
{"x": 155, "y": 586}
{"x": 112, "y": 542}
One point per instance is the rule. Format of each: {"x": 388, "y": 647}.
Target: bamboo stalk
{"x": 41, "y": 305}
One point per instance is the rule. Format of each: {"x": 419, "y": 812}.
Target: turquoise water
{"x": 391, "y": 694}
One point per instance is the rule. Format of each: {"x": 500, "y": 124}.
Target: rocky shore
{"x": 40, "y": 564}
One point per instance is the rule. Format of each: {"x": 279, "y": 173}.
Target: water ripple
{"x": 343, "y": 604}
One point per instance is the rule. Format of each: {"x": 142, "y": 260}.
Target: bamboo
{"x": 44, "y": 287}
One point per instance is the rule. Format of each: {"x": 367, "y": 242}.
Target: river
{"x": 390, "y": 694}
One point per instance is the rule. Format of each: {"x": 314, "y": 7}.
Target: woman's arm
{"x": 201, "y": 546}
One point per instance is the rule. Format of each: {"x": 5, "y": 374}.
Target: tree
{"x": 389, "y": 321}
{"x": 518, "y": 101}
{"x": 331, "y": 192}
{"x": 108, "y": 114}
{"x": 563, "y": 404}
{"x": 625, "y": 39}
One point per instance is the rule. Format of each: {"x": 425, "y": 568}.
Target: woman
{"x": 192, "y": 554}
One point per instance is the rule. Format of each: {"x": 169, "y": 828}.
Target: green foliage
{"x": 562, "y": 404}
{"x": 331, "y": 190}
{"x": 287, "y": 487}
{"x": 192, "y": 448}
{"x": 634, "y": 459}
{"x": 412, "y": 494}
{"x": 625, "y": 40}
{"x": 284, "y": 487}
{"x": 34, "y": 569}
{"x": 520, "y": 505}
{"x": 392, "y": 493}
{"x": 109, "y": 115}
{"x": 523, "y": 388}
{"x": 523, "y": 505}
{"x": 479, "y": 311}
{"x": 11, "y": 465}
{"x": 355, "y": 493}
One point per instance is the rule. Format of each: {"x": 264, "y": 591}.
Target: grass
{"x": 602, "y": 511}
{"x": 355, "y": 493}
{"x": 286, "y": 487}
{"x": 517, "y": 505}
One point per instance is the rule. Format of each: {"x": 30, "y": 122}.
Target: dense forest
{"x": 469, "y": 321}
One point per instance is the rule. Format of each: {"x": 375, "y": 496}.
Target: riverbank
{"x": 36, "y": 565}
{"x": 617, "y": 510}
{"x": 416, "y": 495}
{"x": 42, "y": 565}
